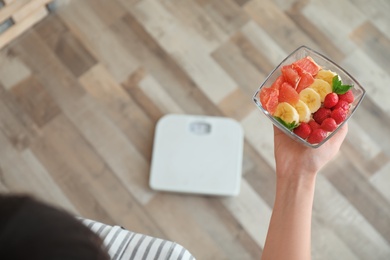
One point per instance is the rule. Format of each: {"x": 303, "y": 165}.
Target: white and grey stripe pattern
{"x": 124, "y": 244}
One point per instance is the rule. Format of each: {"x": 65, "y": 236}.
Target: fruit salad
{"x": 307, "y": 99}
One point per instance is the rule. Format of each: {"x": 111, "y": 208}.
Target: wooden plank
{"x": 241, "y": 2}
{"x": 159, "y": 96}
{"x": 347, "y": 218}
{"x": 179, "y": 225}
{"x": 39, "y": 59}
{"x": 373, "y": 120}
{"x": 372, "y": 77}
{"x": 15, "y": 123}
{"x": 237, "y": 105}
{"x": 8, "y": 1}
{"x": 29, "y": 8}
{"x": 242, "y": 238}
{"x": 286, "y": 5}
{"x": 23, "y": 173}
{"x": 365, "y": 198}
{"x": 327, "y": 47}
{"x": 92, "y": 31}
{"x": 59, "y": 82}
{"x": 3, "y": 188}
{"x": 372, "y": 9}
{"x": 64, "y": 166}
{"x": 226, "y": 14}
{"x": 381, "y": 179}
{"x": 10, "y": 8}
{"x": 335, "y": 12}
{"x": 259, "y": 133}
{"x": 251, "y": 211}
{"x": 271, "y": 51}
{"x": 189, "y": 51}
{"x": 164, "y": 67}
{"x": 326, "y": 244}
{"x": 252, "y": 54}
{"x": 107, "y": 11}
{"x": 128, "y": 165}
{"x": 335, "y": 17}
{"x": 68, "y": 48}
{"x": 12, "y": 70}
{"x": 379, "y": 161}
{"x": 278, "y": 25}
{"x": 13, "y": 128}
{"x": 373, "y": 42}
{"x": 194, "y": 18}
{"x": 376, "y": 12}
{"x": 73, "y": 54}
{"x": 222, "y": 227}
{"x": 35, "y": 101}
{"x": 51, "y": 30}
{"x": 121, "y": 108}
{"x": 365, "y": 165}
{"x": 22, "y": 26}
{"x": 260, "y": 175}
{"x": 362, "y": 141}
{"x": 230, "y": 57}
{"x": 131, "y": 86}
{"x": 128, "y": 4}
{"x": 362, "y": 150}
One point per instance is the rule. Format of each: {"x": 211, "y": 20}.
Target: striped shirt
{"x": 124, "y": 244}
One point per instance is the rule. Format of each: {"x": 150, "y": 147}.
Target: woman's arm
{"x": 289, "y": 233}
{"x": 290, "y": 227}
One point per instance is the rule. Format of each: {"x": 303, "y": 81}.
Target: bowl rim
{"x": 291, "y": 133}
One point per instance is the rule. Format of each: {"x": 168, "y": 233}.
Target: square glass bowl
{"x": 325, "y": 63}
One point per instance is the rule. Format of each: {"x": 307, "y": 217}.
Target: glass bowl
{"x": 303, "y": 51}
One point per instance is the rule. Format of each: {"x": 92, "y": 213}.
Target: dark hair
{"x": 30, "y": 229}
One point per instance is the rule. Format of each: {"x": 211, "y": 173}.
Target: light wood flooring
{"x": 81, "y": 93}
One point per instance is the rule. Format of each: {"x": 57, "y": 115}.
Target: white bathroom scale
{"x": 197, "y": 154}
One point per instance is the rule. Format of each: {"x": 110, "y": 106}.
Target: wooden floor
{"x": 82, "y": 91}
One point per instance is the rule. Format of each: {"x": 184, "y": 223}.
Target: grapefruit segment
{"x": 306, "y": 64}
{"x": 278, "y": 82}
{"x": 290, "y": 75}
{"x": 305, "y": 81}
{"x": 269, "y": 99}
{"x": 288, "y": 94}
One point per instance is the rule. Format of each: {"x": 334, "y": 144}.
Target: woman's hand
{"x": 294, "y": 158}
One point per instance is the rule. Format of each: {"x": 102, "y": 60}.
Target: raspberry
{"x": 342, "y": 104}
{"x": 303, "y": 130}
{"x": 347, "y": 96}
{"x": 329, "y": 125}
{"x": 317, "y": 136}
{"x": 339, "y": 115}
{"x": 331, "y": 100}
{"x": 321, "y": 115}
{"x": 313, "y": 125}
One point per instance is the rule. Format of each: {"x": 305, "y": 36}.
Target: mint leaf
{"x": 343, "y": 89}
{"x": 336, "y": 82}
{"x": 338, "y": 86}
{"x": 289, "y": 126}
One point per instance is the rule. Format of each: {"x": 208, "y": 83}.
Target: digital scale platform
{"x": 197, "y": 154}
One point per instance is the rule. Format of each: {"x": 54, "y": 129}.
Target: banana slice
{"x": 287, "y": 113}
{"x": 326, "y": 75}
{"x": 311, "y": 98}
{"x": 321, "y": 87}
{"x": 303, "y": 111}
